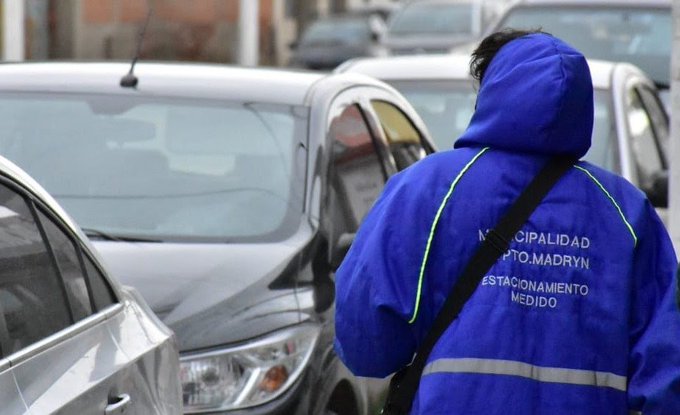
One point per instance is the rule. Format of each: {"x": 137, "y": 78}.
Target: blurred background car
{"x": 72, "y": 339}
{"x": 435, "y": 26}
{"x": 330, "y": 41}
{"x": 631, "y": 127}
{"x": 226, "y": 196}
{"x": 634, "y": 31}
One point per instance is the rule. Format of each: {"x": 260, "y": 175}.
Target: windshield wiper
{"x": 90, "y": 232}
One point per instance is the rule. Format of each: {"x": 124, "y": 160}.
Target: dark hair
{"x": 490, "y": 45}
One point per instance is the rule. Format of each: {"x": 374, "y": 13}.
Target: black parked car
{"x": 226, "y": 196}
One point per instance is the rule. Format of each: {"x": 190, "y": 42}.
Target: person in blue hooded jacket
{"x": 579, "y": 316}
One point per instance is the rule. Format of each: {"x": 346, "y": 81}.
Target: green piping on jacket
{"x": 616, "y": 205}
{"x": 432, "y": 230}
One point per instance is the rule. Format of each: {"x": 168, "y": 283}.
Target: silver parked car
{"x": 72, "y": 339}
{"x": 631, "y": 130}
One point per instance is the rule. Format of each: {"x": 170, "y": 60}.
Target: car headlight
{"x": 247, "y": 375}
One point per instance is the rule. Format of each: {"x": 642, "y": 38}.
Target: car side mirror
{"x": 657, "y": 189}
{"x": 324, "y": 288}
{"x": 341, "y": 249}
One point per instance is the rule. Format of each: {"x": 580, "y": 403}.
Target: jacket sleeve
{"x": 377, "y": 282}
{"x": 654, "y": 365}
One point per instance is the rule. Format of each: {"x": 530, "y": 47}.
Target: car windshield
{"x": 446, "y": 107}
{"x": 162, "y": 169}
{"x": 432, "y": 18}
{"x": 636, "y": 35}
{"x": 336, "y": 30}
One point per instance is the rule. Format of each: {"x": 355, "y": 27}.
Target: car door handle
{"x": 118, "y": 404}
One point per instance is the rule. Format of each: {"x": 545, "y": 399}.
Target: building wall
{"x": 196, "y": 30}
{"x": 185, "y": 30}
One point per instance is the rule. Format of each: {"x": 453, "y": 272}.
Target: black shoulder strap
{"x": 404, "y": 384}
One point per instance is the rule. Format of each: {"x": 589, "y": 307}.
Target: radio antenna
{"x": 130, "y": 80}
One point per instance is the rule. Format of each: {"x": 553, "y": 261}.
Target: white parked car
{"x": 639, "y": 32}
{"x": 72, "y": 339}
{"x": 631, "y": 131}
{"x": 435, "y": 26}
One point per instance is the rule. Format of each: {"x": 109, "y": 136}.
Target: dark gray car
{"x": 226, "y": 196}
{"x": 328, "y": 42}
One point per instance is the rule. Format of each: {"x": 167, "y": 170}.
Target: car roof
{"x": 445, "y": 67}
{"x": 162, "y": 79}
{"x": 431, "y": 66}
{"x": 598, "y": 3}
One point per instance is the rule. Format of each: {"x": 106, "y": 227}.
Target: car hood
{"x": 194, "y": 287}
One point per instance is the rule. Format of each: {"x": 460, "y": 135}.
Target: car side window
{"x": 33, "y": 303}
{"x": 659, "y": 119}
{"x": 102, "y": 294}
{"x": 67, "y": 256}
{"x": 404, "y": 140}
{"x": 645, "y": 150}
{"x": 357, "y": 172}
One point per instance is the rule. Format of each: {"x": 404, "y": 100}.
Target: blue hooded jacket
{"x": 578, "y": 317}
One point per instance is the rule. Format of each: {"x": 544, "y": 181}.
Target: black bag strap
{"x": 405, "y": 383}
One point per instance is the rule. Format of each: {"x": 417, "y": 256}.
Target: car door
{"x": 659, "y": 119}
{"x": 360, "y": 166}
{"x": 64, "y": 330}
{"x": 12, "y": 404}
{"x": 647, "y": 131}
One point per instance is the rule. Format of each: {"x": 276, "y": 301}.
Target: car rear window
{"x": 426, "y": 18}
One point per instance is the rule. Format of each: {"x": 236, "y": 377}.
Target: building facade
{"x": 185, "y": 30}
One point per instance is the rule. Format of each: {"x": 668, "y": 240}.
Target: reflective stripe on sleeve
{"x": 525, "y": 370}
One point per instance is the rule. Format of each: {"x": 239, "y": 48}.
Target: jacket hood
{"x": 536, "y": 97}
